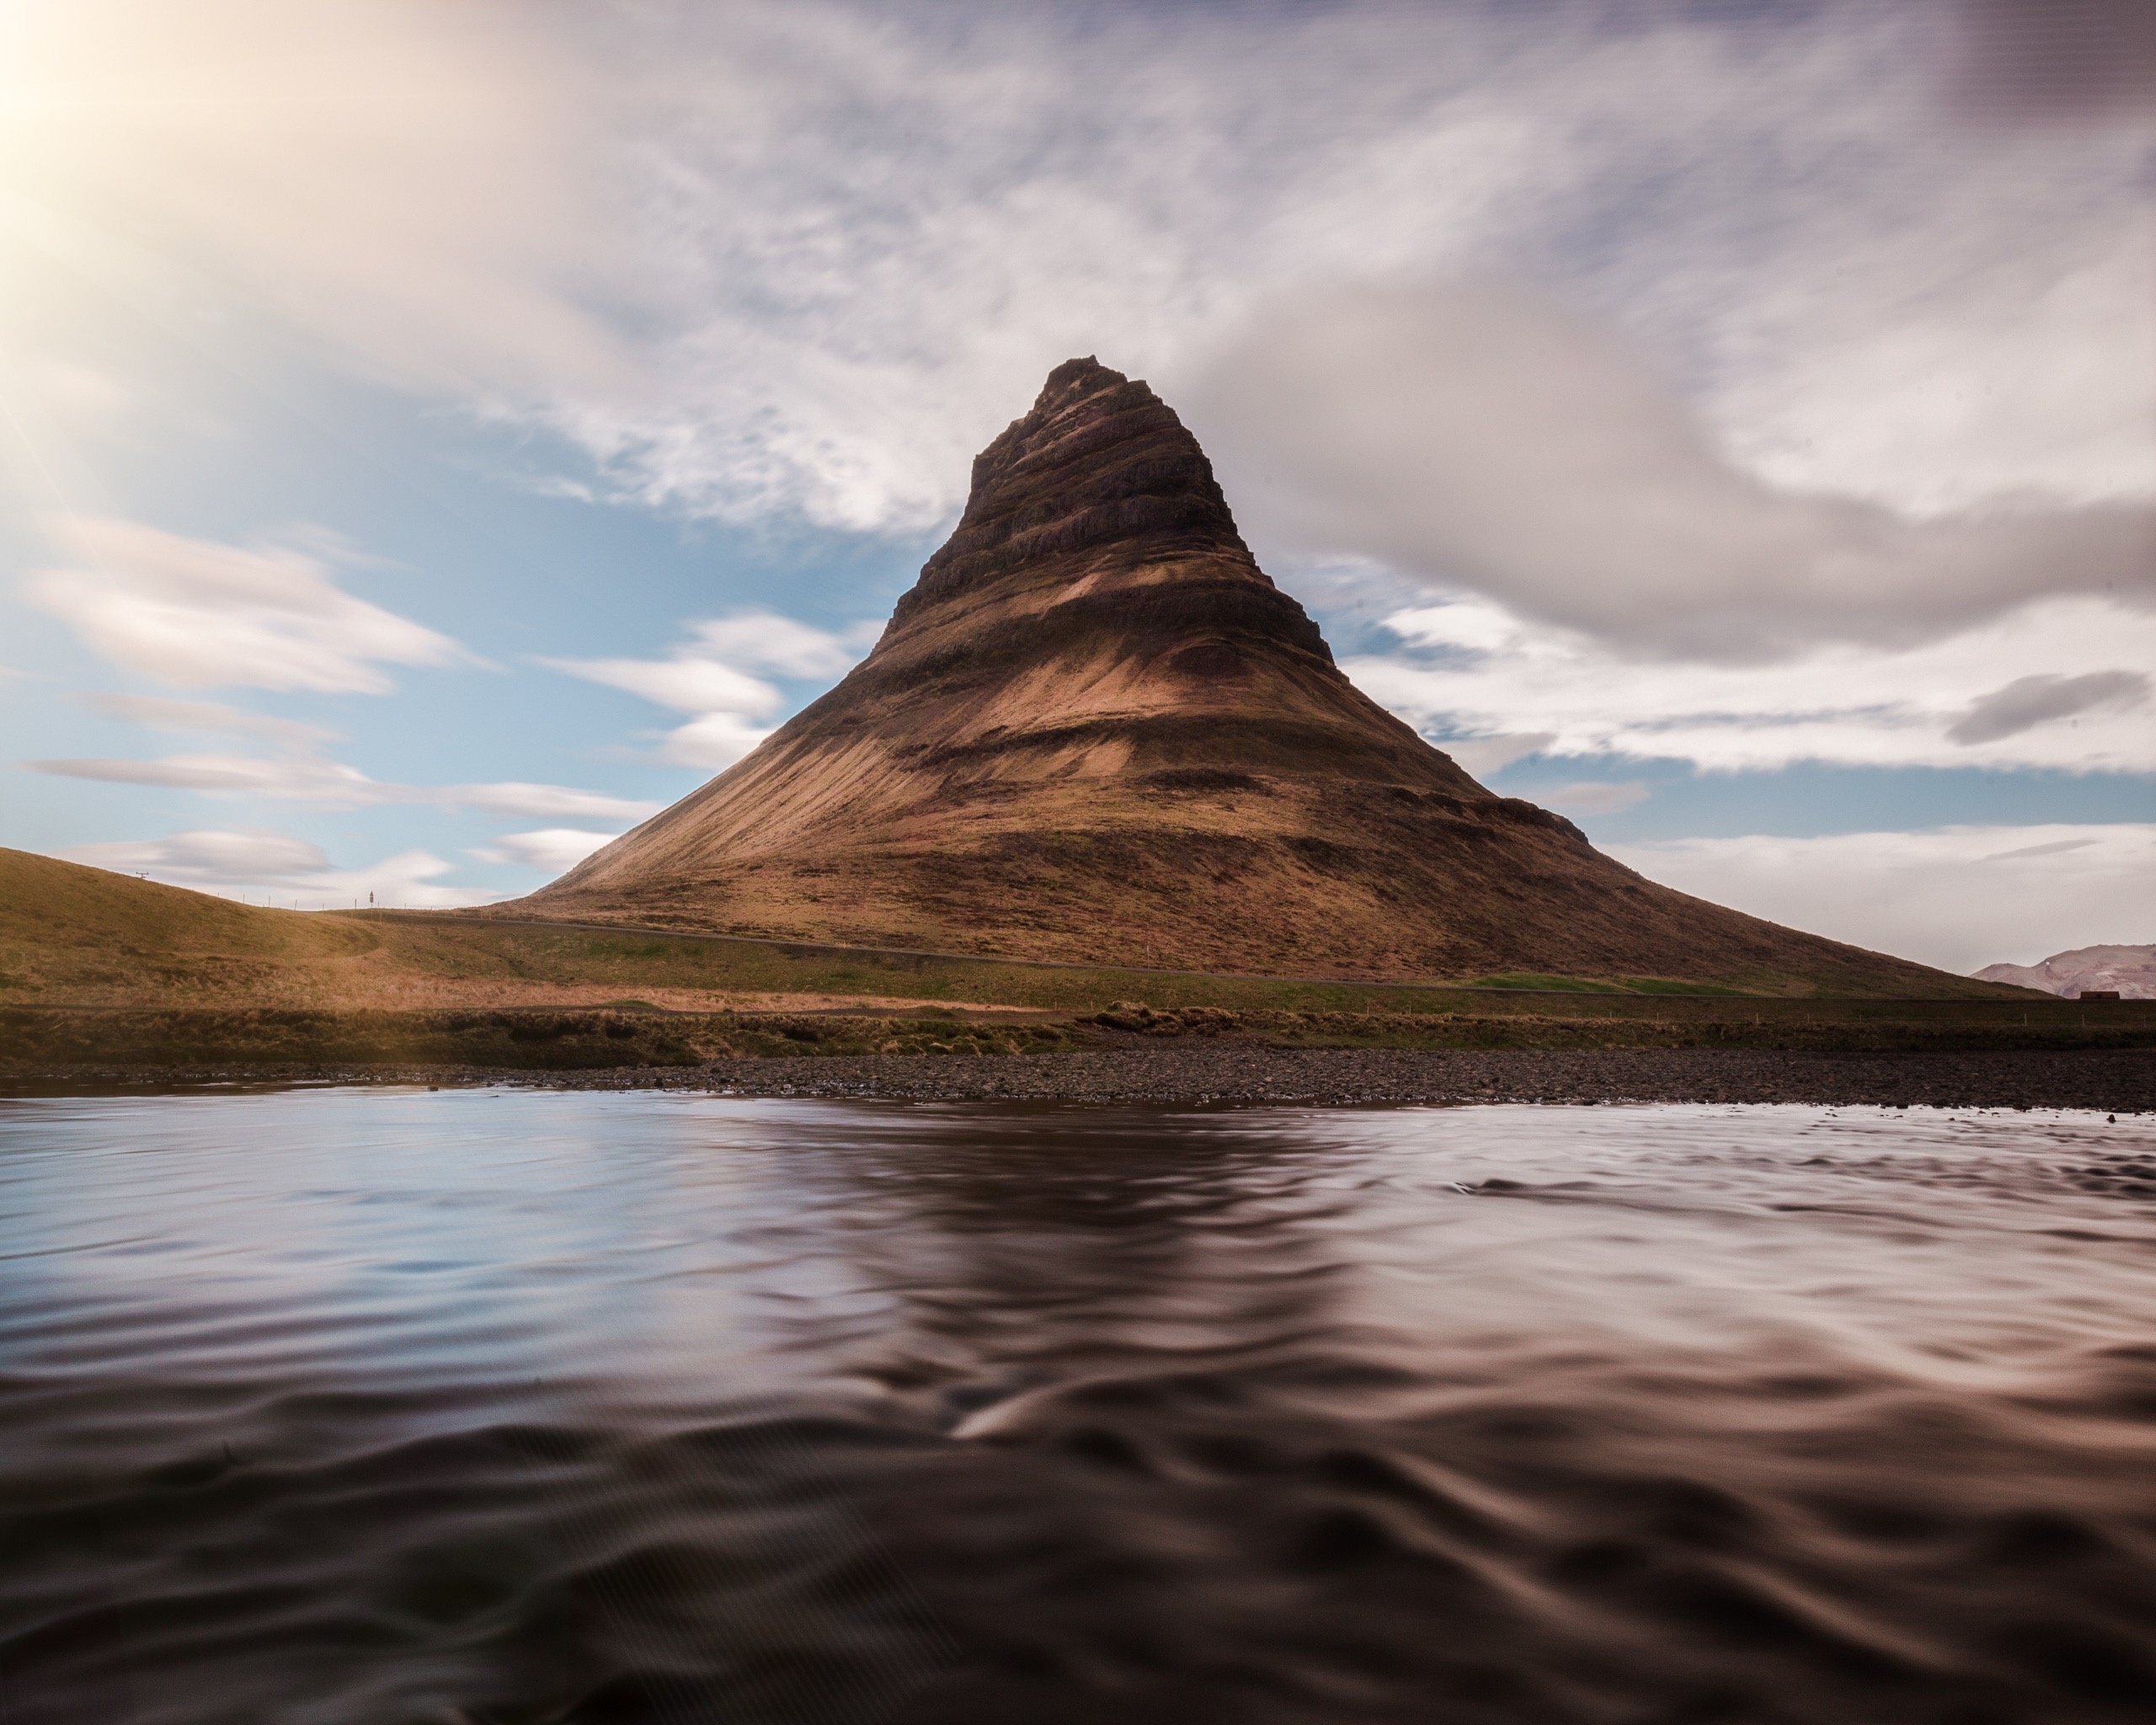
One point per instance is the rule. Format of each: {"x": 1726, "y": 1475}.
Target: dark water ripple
{"x": 365, "y": 1406}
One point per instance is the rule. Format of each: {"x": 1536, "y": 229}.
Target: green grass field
{"x": 52, "y": 1039}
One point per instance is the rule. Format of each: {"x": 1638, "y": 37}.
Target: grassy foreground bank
{"x": 76, "y": 936}
{"x": 102, "y": 971}
{"x": 49, "y": 1039}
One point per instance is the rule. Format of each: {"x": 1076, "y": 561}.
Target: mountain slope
{"x": 1095, "y": 730}
{"x": 2131, "y": 971}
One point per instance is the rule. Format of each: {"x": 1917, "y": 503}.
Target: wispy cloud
{"x": 1484, "y": 756}
{"x": 2026, "y": 703}
{"x": 540, "y": 800}
{"x": 411, "y": 186}
{"x": 2051, "y": 847}
{"x": 193, "y": 718}
{"x": 1473, "y": 677}
{"x": 550, "y": 850}
{"x": 1595, "y": 797}
{"x": 710, "y": 675}
{"x": 301, "y": 773}
{"x": 253, "y": 864}
{"x": 687, "y": 681}
{"x": 309, "y": 778}
{"x": 297, "y": 777}
{"x": 1960, "y": 898}
{"x": 194, "y": 613}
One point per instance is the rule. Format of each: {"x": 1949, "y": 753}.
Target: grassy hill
{"x": 103, "y": 970}
{"x": 77, "y": 936}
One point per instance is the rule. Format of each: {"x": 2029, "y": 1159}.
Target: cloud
{"x": 1069, "y": 181}
{"x": 303, "y": 777}
{"x": 806, "y": 258}
{"x": 81, "y": 396}
{"x": 552, "y": 850}
{"x": 711, "y": 740}
{"x": 248, "y": 855}
{"x": 2029, "y": 702}
{"x": 194, "y": 613}
{"x": 1486, "y": 755}
{"x": 309, "y": 779}
{"x": 191, "y": 717}
{"x": 2056, "y": 847}
{"x": 1480, "y": 437}
{"x": 687, "y": 683}
{"x": 1959, "y": 898}
{"x": 301, "y": 773}
{"x": 2052, "y": 62}
{"x": 706, "y": 676}
{"x": 515, "y": 798}
{"x": 1470, "y": 674}
{"x": 283, "y": 870}
{"x": 416, "y": 188}
{"x": 1595, "y": 797}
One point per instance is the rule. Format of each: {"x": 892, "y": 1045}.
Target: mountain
{"x": 1095, "y": 730}
{"x": 2131, "y": 971}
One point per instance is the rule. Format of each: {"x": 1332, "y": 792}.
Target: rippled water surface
{"x": 380, "y": 1407}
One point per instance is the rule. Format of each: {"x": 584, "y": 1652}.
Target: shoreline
{"x": 1223, "y": 1069}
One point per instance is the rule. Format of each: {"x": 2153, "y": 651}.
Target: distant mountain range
{"x": 2131, "y": 971}
{"x": 1096, "y": 732}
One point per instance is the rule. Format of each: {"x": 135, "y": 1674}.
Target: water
{"x": 381, "y": 1407}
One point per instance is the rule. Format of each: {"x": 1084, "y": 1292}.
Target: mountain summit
{"x": 1095, "y": 730}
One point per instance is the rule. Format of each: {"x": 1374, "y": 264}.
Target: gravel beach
{"x": 1227, "y": 1071}
{"x": 1230, "y": 1069}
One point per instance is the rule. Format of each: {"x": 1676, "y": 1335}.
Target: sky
{"x": 433, "y": 439}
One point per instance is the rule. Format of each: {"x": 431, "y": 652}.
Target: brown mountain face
{"x": 1096, "y": 731}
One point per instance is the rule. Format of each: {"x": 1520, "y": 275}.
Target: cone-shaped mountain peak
{"x": 1101, "y": 468}
{"x": 1095, "y": 730}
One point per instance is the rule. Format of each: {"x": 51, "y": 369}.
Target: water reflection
{"x": 1039, "y": 1245}
{"x": 370, "y": 1406}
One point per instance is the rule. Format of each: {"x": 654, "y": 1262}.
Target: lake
{"x": 487, "y": 1408}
